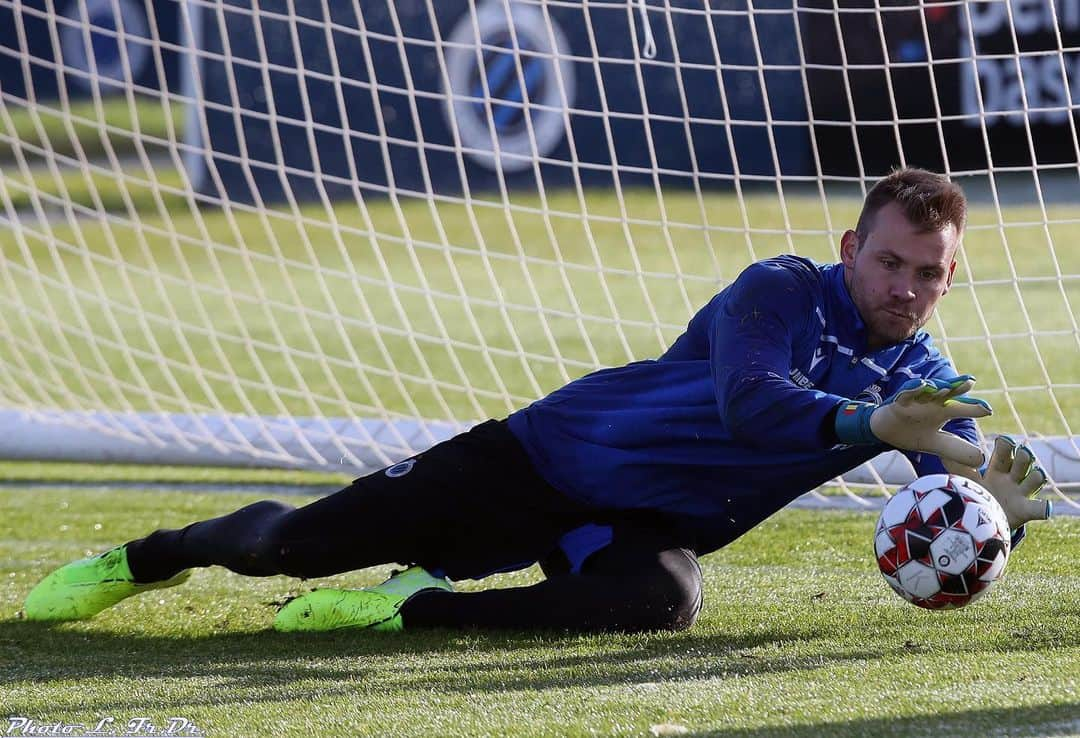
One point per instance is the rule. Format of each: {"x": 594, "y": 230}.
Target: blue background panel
{"x": 35, "y": 65}
{"x": 481, "y": 124}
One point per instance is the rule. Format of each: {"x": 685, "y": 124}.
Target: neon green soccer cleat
{"x": 377, "y": 608}
{"x": 83, "y": 588}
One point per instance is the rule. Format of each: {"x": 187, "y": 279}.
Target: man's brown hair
{"x": 928, "y": 200}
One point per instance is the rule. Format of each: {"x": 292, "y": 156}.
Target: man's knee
{"x": 294, "y": 544}
{"x": 262, "y": 531}
{"x": 679, "y": 582}
{"x": 683, "y": 589}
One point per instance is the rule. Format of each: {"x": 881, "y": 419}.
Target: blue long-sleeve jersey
{"x": 731, "y": 423}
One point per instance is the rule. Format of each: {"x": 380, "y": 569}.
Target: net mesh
{"x": 331, "y": 234}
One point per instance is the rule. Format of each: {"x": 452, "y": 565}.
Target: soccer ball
{"x": 942, "y": 541}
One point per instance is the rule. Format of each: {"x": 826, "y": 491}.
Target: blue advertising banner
{"x": 87, "y": 45}
{"x": 944, "y": 85}
{"x": 438, "y": 97}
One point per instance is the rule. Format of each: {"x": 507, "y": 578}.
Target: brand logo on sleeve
{"x": 401, "y": 468}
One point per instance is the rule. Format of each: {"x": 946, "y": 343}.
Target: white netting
{"x": 324, "y": 234}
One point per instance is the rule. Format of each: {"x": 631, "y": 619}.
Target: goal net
{"x": 329, "y": 234}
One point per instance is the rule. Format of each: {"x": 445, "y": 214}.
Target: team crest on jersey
{"x": 871, "y": 394}
{"x": 401, "y": 468}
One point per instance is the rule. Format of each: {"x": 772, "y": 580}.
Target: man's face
{"x": 898, "y": 275}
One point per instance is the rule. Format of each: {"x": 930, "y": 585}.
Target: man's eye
{"x": 888, "y": 263}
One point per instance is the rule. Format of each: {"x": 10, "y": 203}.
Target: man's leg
{"x": 639, "y": 582}
{"x": 468, "y": 506}
{"x": 268, "y": 538}
{"x": 260, "y": 539}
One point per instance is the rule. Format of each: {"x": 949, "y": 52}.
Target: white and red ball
{"x": 942, "y": 541}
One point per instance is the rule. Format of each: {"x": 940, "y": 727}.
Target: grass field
{"x": 799, "y": 636}
{"x": 228, "y": 311}
{"x": 85, "y": 130}
{"x": 121, "y": 289}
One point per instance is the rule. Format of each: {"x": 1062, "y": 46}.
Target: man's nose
{"x": 903, "y": 288}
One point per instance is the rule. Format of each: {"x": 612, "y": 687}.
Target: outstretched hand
{"x": 912, "y": 418}
{"x": 1013, "y": 477}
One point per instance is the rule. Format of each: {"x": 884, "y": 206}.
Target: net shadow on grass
{"x": 271, "y": 667}
{"x": 1038, "y": 720}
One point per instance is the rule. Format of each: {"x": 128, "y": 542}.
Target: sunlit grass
{"x": 81, "y": 130}
{"x": 441, "y": 311}
{"x": 799, "y": 636}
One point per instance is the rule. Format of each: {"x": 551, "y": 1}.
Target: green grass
{"x": 84, "y": 130}
{"x": 131, "y": 293}
{"x": 175, "y": 308}
{"x": 799, "y": 636}
{"x": 43, "y": 472}
{"x": 121, "y": 289}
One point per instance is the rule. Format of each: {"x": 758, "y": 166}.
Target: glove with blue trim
{"x": 911, "y": 419}
{"x": 1013, "y": 477}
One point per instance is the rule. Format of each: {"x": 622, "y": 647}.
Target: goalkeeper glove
{"x": 1013, "y": 477}
{"x": 912, "y": 419}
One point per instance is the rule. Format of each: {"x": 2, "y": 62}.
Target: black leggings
{"x": 465, "y": 508}
{"x": 625, "y": 586}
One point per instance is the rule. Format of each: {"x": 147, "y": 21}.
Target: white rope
{"x": 648, "y": 50}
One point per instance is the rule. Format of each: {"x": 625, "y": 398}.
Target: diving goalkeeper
{"x": 617, "y": 482}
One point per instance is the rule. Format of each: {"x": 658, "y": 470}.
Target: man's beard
{"x": 893, "y": 327}
{"x": 880, "y": 321}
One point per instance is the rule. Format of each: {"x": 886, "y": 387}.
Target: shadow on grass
{"x": 483, "y": 661}
{"x": 1040, "y": 720}
{"x": 270, "y": 667}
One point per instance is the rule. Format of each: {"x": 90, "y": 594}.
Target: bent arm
{"x": 768, "y": 309}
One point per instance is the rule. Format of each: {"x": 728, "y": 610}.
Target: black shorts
{"x": 469, "y": 507}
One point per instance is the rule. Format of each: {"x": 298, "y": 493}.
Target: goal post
{"x": 325, "y": 235}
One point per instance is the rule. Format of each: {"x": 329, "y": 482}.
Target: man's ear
{"x": 949, "y": 278}
{"x": 952, "y": 263}
{"x": 849, "y": 244}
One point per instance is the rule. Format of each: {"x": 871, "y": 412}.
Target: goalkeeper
{"x": 617, "y": 482}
